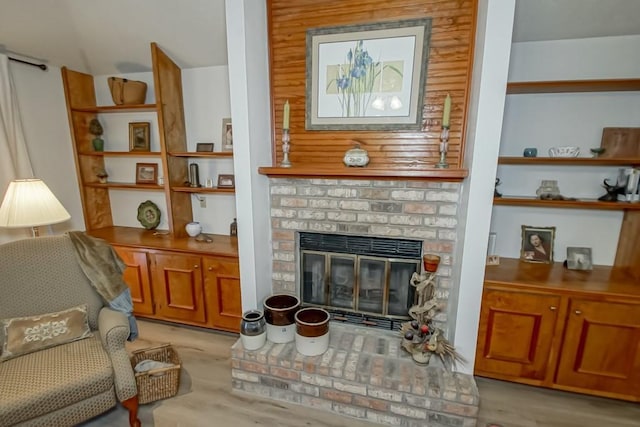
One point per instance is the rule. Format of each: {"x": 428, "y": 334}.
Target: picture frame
{"x": 139, "y": 136}
{"x": 146, "y": 173}
{"x": 226, "y": 181}
{"x": 579, "y": 258}
{"x": 204, "y": 147}
{"x": 537, "y": 244}
{"x": 227, "y": 135}
{"x": 367, "y": 77}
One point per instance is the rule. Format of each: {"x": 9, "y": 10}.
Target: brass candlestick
{"x": 444, "y": 145}
{"x": 285, "y": 163}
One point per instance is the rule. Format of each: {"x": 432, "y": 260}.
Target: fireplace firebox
{"x": 359, "y": 279}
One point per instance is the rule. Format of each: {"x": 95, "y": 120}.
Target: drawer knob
{"x": 553, "y": 308}
{"x": 196, "y": 266}
{"x": 578, "y": 312}
{"x": 210, "y": 269}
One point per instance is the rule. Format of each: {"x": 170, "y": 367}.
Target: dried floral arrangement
{"x": 419, "y": 336}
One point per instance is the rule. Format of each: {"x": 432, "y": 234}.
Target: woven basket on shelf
{"x": 161, "y": 383}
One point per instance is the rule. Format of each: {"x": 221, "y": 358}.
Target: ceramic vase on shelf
{"x": 193, "y": 228}
{"x": 253, "y": 330}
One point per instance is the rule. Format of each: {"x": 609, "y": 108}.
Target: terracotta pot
{"x": 312, "y": 322}
{"x": 280, "y": 309}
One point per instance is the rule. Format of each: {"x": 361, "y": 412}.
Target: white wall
{"x": 576, "y": 119}
{"x": 250, "y": 106}
{"x": 44, "y": 119}
{"x": 493, "y": 38}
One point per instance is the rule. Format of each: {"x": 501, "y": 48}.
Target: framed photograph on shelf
{"x": 139, "y": 136}
{"x": 579, "y": 258}
{"x": 227, "y": 135}
{"x": 146, "y": 173}
{"x": 537, "y": 244}
{"x": 204, "y": 147}
{"x": 367, "y": 77}
{"x": 226, "y": 181}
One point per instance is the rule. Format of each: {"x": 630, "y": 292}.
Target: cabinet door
{"x": 222, "y": 286}
{"x": 602, "y": 348}
{"x": 515, "y": 334}
{"x": 136, "y": 275}
{"x": 178, "y": 287}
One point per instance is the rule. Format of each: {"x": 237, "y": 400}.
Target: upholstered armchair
{"x": 69, "y": 382}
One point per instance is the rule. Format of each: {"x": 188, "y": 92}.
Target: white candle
{"x": 285, "y": 119}
{"x": 446, "y": 113}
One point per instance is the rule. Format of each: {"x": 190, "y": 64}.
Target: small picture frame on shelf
{"x": 139, "y": 139}
{"x": 146, "y": 173}
{"x": 226, "y": 181}
{"x": 227, "y": 135}
{"x": 204, "y": 147}
{"x": 579, "y": 258}
{"x": 537, "y": 244}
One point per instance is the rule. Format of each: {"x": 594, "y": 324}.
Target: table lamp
{"x": 30, "y": 203}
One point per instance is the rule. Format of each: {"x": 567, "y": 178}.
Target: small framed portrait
{"x": 537, "y": 244}
{"x": 204, "y": 147}
{"x": 226, "y": 181}
{"x": 579, "y": 258}
{"x": 139, "y": 139}
{"x": 146, "y": 173}
{"x": 227, "y": 135}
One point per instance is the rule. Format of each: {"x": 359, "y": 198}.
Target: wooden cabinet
{"x": 222, "y": 287}
{"x": 180, "y": 279}
{"x": 136, "y": 275}
{"x": 178, "y": 287}
{"x": 601, "y": 348}
{"x": 571, "y": 330}
{"x": 516, "y": 333}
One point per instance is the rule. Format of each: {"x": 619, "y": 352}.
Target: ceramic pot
{"x": 253, "y": 330}
{"x": 98, "y": 144}
{"x": 279, "y": 312}
{"x": 193, "y": 229}
{"x": 312, "y": 331}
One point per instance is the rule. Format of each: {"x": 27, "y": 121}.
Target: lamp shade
{"x": 30, "y": 203}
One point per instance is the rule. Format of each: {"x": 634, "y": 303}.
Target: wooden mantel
{"x": 449, "y": 174}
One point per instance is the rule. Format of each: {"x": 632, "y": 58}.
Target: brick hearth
{"x": 364, "y": 374}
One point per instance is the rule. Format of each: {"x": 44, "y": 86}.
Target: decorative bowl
{"x": 564, "y": 151}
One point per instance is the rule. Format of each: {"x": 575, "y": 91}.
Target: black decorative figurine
{"x": 612, "y": 192}
{"x": 495, "y": 190}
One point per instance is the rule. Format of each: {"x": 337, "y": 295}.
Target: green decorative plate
{"x": 149, "y": 215}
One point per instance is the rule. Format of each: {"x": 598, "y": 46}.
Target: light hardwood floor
{"x": 205, "y": 397}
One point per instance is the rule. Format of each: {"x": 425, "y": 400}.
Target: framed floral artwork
{"x": 367, "y": 77}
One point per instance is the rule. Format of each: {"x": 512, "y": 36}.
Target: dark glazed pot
{"x": 312, "y": 322}
{"x": 252, "y": 323}
{"x": 280, "y": 309}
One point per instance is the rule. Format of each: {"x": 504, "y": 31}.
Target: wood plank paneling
{"x": 448, "y": 71}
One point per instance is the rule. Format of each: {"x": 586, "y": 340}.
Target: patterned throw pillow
{"x": 28, "y": 334}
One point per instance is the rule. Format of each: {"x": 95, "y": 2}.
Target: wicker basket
{"x": 161, "y": 383}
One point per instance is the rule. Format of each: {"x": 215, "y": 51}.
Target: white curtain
{"x": 14, "y": 158}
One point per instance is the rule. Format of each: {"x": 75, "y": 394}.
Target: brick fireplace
{"x": 364, "y": 374}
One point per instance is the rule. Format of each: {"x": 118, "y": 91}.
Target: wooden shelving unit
{"x": 122, "y": 153}
{"x": 106, "y": 109}
{"x": 569, "y": 161}
{"x": 213, "y": 154}
{"x": 126, "y": 186}
{"x": 566, "y": 86}
{"x": 204, "y": 190}
{"x": 565, "y": 204}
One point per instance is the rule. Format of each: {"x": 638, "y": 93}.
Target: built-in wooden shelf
{"x": 204, "y": 190}
{"x": 560, "y": 86}
{"x": 365, "y": 173}
{"x": 117, "y": 108}
{"x": 121, "y": 153}
{"x": 570, "y": 161}
{"x": 614, "y": 281}
{"x": 126, "y": 186}
{"x": 566, "y": 204}
{"x": 203, "y": 154}
{"x": 161, "y": 239}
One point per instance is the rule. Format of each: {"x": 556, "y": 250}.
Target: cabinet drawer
{"x": 136, "y": 275}
{"x": 222, "y": 288}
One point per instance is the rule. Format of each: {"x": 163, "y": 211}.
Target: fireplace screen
{"x": 357, "y": 277}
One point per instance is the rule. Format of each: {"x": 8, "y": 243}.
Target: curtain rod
{"x": 43, "y": 67}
